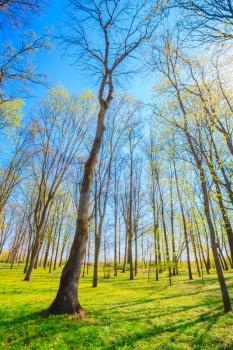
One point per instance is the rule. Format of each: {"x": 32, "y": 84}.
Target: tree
{"x": 170, "y": 60}
{"x": 13, "y": 171}
{"x": 104, "y": 172}
{"x": 123, "y": 28}
{"x": 64, "y": 121}
{"x": 209, "y": 19}
{"x": 16, "y": 69}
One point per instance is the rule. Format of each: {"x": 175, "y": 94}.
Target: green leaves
{"x": 11, "y": 113}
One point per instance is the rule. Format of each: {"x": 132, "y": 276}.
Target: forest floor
{"x": 122, "y": 314}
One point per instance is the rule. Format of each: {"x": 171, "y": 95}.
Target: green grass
{"x": 122, "y": 314}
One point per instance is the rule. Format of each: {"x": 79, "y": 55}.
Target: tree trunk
{"x": 96, "y": 261}
{"x": 62, "y": 252}
{"x": 126, "y": 244}
{"x": 115, "y": 221}
{"x": 184, "y": 225}
{"x": 221, "y": 279}
{"x": 136, "y": 249}
{"x": 66, "y": 301}
{"x": 34, "y": 254}
{"x": 195, "y": 252}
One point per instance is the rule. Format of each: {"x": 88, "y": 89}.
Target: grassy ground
{"x": 122, "y": 314}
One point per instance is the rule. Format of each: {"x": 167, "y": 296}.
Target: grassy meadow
{"x": 122, "y": 314}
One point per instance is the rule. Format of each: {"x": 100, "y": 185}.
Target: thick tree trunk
{"x": 66, "y": 300}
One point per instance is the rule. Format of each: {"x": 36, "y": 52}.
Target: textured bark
{"x": 66, "y": 301}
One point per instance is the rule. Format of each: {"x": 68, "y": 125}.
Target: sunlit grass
{"x": 122, "y": 314}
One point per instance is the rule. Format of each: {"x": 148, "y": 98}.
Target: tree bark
{"x": 66, "y": 300}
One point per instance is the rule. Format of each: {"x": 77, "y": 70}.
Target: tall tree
{"x": 123, "y": 28}
{"x": 58, "y": 143}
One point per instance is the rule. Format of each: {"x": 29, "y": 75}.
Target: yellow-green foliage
{"x": 11, "y": 112}
{"x": 4, "y": 256}
{"x": 122, "y": 314}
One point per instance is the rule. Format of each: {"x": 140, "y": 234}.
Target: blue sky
{"x": 59, "y": 67}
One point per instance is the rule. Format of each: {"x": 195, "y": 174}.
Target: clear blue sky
{"x": 59, "y": 67}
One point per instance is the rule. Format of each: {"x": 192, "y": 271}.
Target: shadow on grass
{"x": 27, "y": 329}
{"x": 43, "y": 329}
{"x": 179, "y": 326}
{"x": 39, "y": 327}
{"x": 173, "y": 310}
{"x": 36, "y": 328}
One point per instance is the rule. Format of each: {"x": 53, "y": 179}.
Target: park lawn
{"x": 122, "y": 314}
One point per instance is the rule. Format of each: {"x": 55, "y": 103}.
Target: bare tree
{"x": 122, "y": 28}
{"x": 209, "y": 19}
{"x": 16, "y": 68}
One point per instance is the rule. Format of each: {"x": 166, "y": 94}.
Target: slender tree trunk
{"x": 88, "y": 252}
{"x": 201, "y": 248}
{"x": 34, "y": 254}
{"x": 62, "y": 252}
{"x": 225, "y": 218}
{"x": 96, "y": 261}
{"x": 174, "y": 257}
{"x": 98, "y": 232}
{"x": 184, "y": 225}
{"x": 195, "y": 252}
{"x": 119, "y": 241}
{"x": 126, "y": 245}
{"x": 136, "y": 250}
{"x": 52, "y": 252}
{"x": 221, "y": 279}
{"x": 28, "y": 253}
{"x": 130, "y": 228}
{"x": 41, "y": 255}
{"x": 115, "y": 222}
{"x": 57, "y": 248}
{"x": 46, "y": 253}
